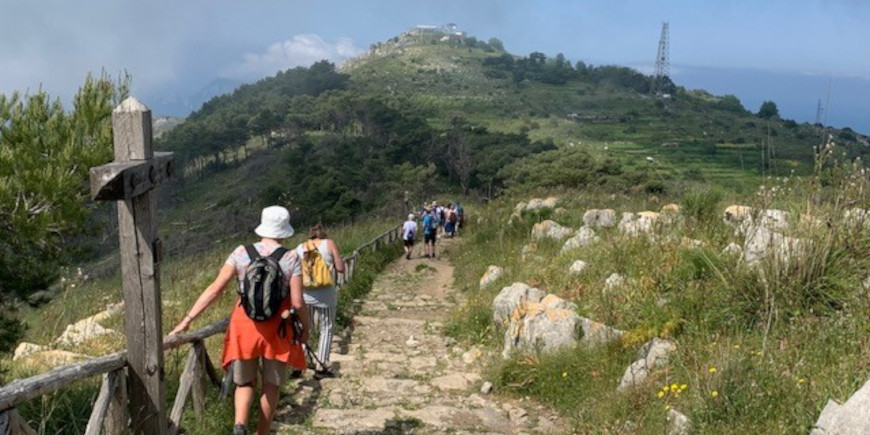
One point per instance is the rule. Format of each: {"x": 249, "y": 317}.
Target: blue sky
{"x": 182, "y": 46}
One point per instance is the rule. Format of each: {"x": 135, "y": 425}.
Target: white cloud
{"x": 301, "y": 50}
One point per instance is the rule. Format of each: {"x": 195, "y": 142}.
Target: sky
{"x": 794, "y": 52}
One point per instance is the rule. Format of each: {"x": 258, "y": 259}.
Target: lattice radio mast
{"x": 819, "y": 112}
{"x": 663, "y": 64}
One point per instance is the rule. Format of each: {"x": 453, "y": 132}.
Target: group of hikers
{"x": 435, "y": 219}
{"x": 283, "y": 294}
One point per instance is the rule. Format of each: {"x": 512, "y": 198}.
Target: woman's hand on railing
{"x": 182, "y": 326}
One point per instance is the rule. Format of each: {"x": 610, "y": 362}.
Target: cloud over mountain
{"x": 300, "y": 50}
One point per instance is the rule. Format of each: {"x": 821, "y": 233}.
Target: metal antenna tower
{"x": 663, "y": 64}
{"x": 819, "y": 111}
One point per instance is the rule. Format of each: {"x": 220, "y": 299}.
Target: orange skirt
{"x": 247, "y": 339}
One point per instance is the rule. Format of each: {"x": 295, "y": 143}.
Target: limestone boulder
{"x": 550, "y": 229}
{"x": 24, "y": 349}
{"x": 492, "y": 274}
{"x": 585, "y": 236}
{"x": 597, "y": 218}
{"x": 578, "y": 267}
{"x": 511, "y": 297}
{"x": 678, "y": 423}
{"x": 553, "y": 302}
{"x": 81, "y": 331}
{"x": 733, "y": 250}
{"x": 536, "y": 328}
{"x": 763, "y": 243}
{"x": 635, "y": 224}
{"x": 651, "y": 355}
{"x": 850, "y": 418}
{"x": 596, "y": 333}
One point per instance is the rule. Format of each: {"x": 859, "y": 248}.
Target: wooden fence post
{"x": 130, "y": 181}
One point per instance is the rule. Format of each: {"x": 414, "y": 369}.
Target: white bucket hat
{"x": 275, "y": 223}
{"x": 411, "y": 217}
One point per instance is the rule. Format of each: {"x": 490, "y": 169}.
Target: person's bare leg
{"x": 268, "y": 404}
{"x": 242, "y": 399}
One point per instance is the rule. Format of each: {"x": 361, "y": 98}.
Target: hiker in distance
{"x": 430, "y": 232}
{"x": 409, "y": 229}
{"x": 320, "y": 291}
{"x": 257, "y": 333}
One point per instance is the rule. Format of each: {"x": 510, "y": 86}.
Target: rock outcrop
{"x": 850, "y": 418}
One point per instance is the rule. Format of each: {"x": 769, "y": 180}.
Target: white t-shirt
{"x": 408, "y": 230}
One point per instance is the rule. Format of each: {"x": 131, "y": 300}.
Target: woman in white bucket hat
{"x": 249, "y": 343}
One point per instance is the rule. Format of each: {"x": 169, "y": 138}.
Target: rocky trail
{"x": 397, "y": 372}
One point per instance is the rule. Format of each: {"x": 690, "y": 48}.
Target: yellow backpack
{"x": 315, "y": 272}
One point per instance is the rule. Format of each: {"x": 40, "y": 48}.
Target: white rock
{"x": 678, "y": 423}
{"x": 850, "y": 418}
{"x": 614, "y": 281}
{"x": 412, "y": 342}
{"x": 24, "y": 349}
{"x": 81, "y": 331}
{"x": 584, "y": 237}
{"x": 596, "y": 218}
{"x": 550, "y": 229}
{"x": 763, "y": 243}
{"x": 510, "y": 297}
{"x": 733, "y": 249}
{"x": 486, "y": 388}
{"x": 651, "y": 355}
{"x": 578, "y": 267}
{"x": 492, "y": 274}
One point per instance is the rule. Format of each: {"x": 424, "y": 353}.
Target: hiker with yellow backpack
{"x": 320, "y": 259}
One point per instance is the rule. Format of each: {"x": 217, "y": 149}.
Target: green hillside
{"x": 424, "y": 117}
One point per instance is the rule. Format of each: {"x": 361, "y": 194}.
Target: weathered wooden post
{"x": 130, "y": 180}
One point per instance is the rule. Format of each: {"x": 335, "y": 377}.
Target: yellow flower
{"x": 714, "y": 393}
{"x": 712, "y": 370}
{"x": 661, "y": 394}
{"x": 674, "y": 388}
{"x": 683, "y": 387}
{"x": 801, "y": 380}
{"x": 737, "y": 346}
{"x": 667, "y": 407}
{"x": 564, "y": 374}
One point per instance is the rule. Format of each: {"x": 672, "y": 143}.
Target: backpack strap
{"x": 278, "y": 253}
{"x": 252, "y": 252}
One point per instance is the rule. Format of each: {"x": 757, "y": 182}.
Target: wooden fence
{"x": 109, "y": 413}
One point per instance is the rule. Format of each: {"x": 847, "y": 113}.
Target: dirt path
{"x": 397, "y": 372}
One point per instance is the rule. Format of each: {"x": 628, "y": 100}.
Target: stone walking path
{"x": 397, "y": 372}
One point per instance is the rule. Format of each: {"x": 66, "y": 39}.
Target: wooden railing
{"x": 109, "y": 413}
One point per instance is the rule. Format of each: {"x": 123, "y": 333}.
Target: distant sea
{"x": 796, "y": 95}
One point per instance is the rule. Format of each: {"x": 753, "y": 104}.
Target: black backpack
{"x": 263, "y": 289}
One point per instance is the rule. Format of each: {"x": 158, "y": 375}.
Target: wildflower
{"x": 683, "y": 387}
{"x": 667, "y": 407}
{"x": 801, "y": 380}
{"x": 712, "y": 370}
{"x": 564, "y": 374}
{"x": 714, "y": 393}
{"x": 660, "y": 394}
{"x": 674, "y": 388}
{"x": 737, "y": 346}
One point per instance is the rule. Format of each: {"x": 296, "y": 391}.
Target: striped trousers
{"x": 322, "y": 319}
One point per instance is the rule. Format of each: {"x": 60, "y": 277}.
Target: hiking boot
{"x": 240, "y": 429}
{"x": 324, "y": 373}
{"x": 296, "y": 374}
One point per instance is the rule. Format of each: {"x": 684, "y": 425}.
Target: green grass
{"x": 758, "y": 350}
